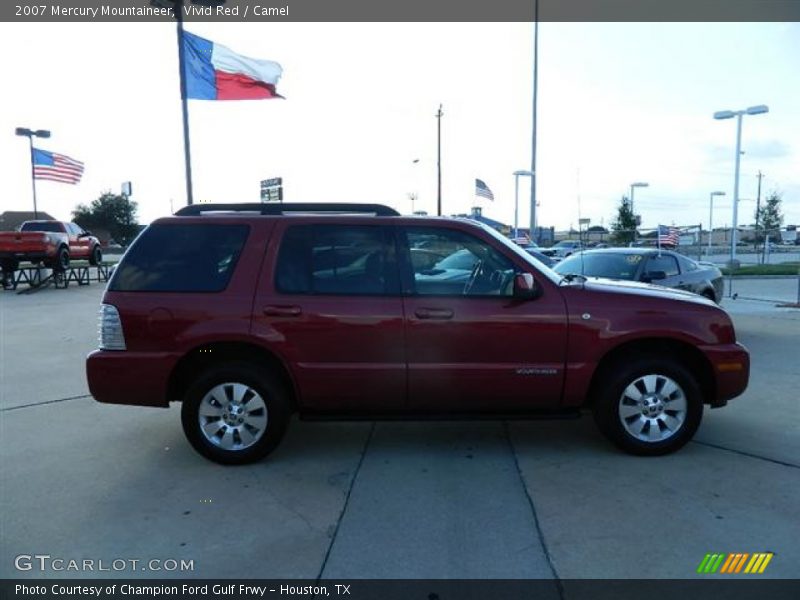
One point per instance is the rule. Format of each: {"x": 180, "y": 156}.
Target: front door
{"x": 472, "y": 346}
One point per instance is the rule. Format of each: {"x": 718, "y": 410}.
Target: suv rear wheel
{"x": 650, "y": 406}
{"x": 235, "y": 413}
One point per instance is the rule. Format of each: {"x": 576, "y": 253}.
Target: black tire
{"x": 198, "y": 398}
{"x": 61, "y": 260}
{"x": 710, "y": 295}
{"x": 96, "y": 256}
{"x": 610, "y": 403}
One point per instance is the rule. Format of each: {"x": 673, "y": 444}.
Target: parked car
{"x": 53, "y": 243}
{"x": 563, "y": 249}
{"x": 249, "y": 313}
{"x": 647, "y": 265}
{"x": 536, "y": 252}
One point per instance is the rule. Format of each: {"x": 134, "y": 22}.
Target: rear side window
{"x": 665, "y": 263}
{"x": 337, "y": 259}
{"x": 181, "y": 258}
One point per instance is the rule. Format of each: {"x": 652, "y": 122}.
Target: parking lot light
{"x": 759, "y": 109}
{"x": 30, "y": 134}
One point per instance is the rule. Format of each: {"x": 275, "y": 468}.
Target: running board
{"x": 574, "y": 413}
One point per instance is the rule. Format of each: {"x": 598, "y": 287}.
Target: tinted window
{"x": 336, "y": 259}
{"x": 611, "y": 265}
{"x": 665, "y": 263}
{"x": 469, "y": 267}
{"x": 181, "y": 258}
{"x": 42, "y": 226}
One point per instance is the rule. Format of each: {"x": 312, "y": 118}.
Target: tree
{"x": 112, "y": 212}
{"x": 769, "y": 218}
{"x": 624, "y": 225}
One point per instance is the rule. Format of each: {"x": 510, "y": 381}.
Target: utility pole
{"x": 758, "y": 210}
{"x": 439, "y": 114}
{"x": 534, "y": 237}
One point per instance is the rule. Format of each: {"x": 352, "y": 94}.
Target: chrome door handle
{"x": 282, "y": 311}
{"x": 434, "y": 313}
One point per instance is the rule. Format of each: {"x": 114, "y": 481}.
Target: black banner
{"x": 255, "y": 11}
{"x": 734, "y": 588}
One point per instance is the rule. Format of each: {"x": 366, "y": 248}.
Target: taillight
{"x": 111, "y": 336}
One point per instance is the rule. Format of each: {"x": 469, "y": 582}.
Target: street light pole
{"x": 633, "y": 211}
{"x": 439, "y": 114}
{"x": 30, "y": 134}
{"x": 711, "y": 216}
{"x": 517, "y": 175}
{"x": 533, "y": 123}
{"x": 729, "y": 114}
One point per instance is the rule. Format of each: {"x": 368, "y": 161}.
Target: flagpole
{"x": 33, "y": 181}
{"x": 184, "y": 103}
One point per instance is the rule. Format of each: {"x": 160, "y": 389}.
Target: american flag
{"x": 56, "y": 167}
{"x": 481, "y": 189}
{"x": 667, "y": 236}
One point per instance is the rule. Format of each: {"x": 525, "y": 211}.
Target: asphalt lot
{"x": 80, "y": 480}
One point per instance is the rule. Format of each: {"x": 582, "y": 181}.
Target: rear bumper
{"x": 731, "y": 368}
{"x": 123, "y": 377}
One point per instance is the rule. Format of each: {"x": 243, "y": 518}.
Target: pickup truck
{"x": 53, "y": 243}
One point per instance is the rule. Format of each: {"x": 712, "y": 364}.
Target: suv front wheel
{"x": 650, "y": 406}
{"x": 235, "y": 413}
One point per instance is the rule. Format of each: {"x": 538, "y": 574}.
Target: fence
{"x": 693, "y": 241}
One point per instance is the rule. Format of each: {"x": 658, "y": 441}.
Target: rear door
{"x": 471, "y": 346}
{"x": 329, "y": 302}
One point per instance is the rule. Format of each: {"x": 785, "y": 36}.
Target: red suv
{"x": 248, "y": 313}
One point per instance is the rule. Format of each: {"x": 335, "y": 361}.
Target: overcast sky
{"x": 617, "y": 103}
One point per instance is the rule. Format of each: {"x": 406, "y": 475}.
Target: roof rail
{"x": 288, "y": 208}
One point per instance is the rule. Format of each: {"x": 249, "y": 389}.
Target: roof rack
{"x": 289, "y": 208}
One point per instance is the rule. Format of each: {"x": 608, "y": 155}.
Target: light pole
{"x": 711, "y": 216}
{"x": 30, "y": 134}
{"x": 439, "y": 115}
{"x": 729, "y": 114}
{"x": 635, "y": 185}
{"x": 517, "y": 175}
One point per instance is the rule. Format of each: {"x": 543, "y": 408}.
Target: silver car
{"x": 648, "y": 265}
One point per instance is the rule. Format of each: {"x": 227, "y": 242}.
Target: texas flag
{"x": 213, "y": 72}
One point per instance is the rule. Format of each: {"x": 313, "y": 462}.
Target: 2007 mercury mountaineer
{"x": 247, "y": 313}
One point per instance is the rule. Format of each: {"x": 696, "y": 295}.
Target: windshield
{"x": 610, "y": 265}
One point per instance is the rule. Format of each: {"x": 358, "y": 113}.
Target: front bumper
{"x": 731, "y": 370}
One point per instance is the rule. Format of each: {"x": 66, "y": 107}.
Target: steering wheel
{"x": 473, "y": 276}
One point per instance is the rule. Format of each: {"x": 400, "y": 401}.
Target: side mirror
{"x": 653, "y": 276}
{"x": 525, "y": 287}
{"x": 85, "y": 234}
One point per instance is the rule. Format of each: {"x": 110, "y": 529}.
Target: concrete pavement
{"x": 459, "y": 499}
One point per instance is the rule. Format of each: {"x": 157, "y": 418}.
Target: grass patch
{"x": 789, "y": 268}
